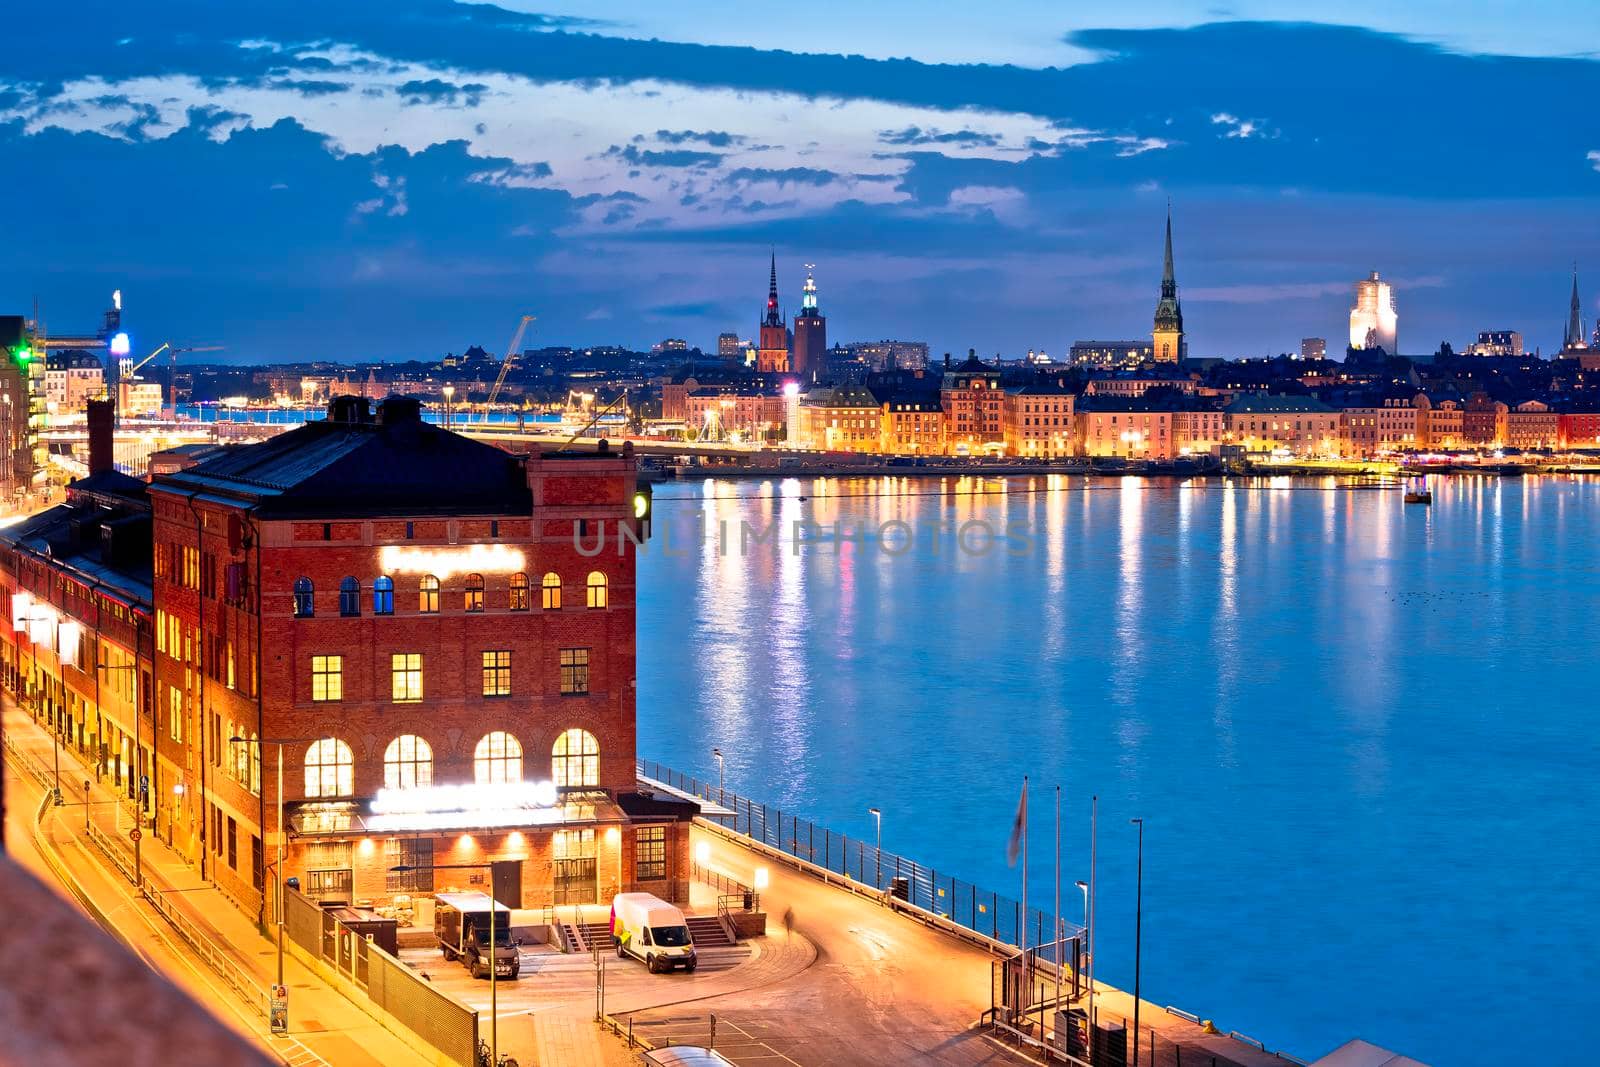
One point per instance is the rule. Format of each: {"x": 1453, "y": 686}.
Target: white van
{"x": 648, "y": 928}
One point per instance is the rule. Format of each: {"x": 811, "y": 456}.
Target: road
{"x": 882, "y": 989}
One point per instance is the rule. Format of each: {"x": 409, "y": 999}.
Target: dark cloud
{"x": 912, "y": 135}
{"x": 799, "y": 175}
{"x": 714, "y": 138}
{"x": 439, "y": 91}
{"x": 309, "y": 87}
{"x": 673, "y": 158}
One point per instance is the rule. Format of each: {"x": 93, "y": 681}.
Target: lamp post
{"x": 494, "y": 1002}
{"x": 716, "y": 754}
{"x": 1138, "y": 929}
{"x": 449, "y": 393}
{"x": 878, "y": 818}
{"x": 55, "y": 713}
{"x": 277, "y": 895}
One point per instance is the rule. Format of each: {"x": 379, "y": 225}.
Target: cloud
{"x": 1594, "y": 157}
{"x": 1005, "y": 203}
{"x": 673, "y": 158}
{"x": 437, "y": 91}
{"x": 714, "y": 138}
{"x": 1237, "y": 127}
{"x": 911, "y": 135}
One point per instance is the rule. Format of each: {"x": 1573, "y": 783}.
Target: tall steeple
{"x": 774, "y": 316}
{"x": 810, "y": 356}
{"x": 1167, "y": 334}
{"x": 772, "y": 352}
{"x": 1574, "y": 334}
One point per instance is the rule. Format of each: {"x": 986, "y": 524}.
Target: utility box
{"x": 900, "y": 888}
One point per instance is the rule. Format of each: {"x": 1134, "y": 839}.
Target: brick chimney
{"x": 102, "y": 421}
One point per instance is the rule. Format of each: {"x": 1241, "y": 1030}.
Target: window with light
{"x": 405, "y": 670}
{"x": 497, "y": 673}
{"x": 497, "y": 759}
{"x": 575, "y": 760}
{"x": 330, "y": 769}
{"x": 327, "y": 678}
{"x": 518, "y": 597}
{"x": 383, "y": 595}
{"x": 408, "y": 763}
{"x": 428, "y": 595}
{"x": 597, "y": 589}
{"x": 304, "y": 598}
{"x": 551, "y": 591}
{"x": 474, "y": 593}
{"x": 574, "y": 671}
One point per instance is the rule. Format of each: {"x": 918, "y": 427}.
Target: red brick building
{"x": 439, "y": 639}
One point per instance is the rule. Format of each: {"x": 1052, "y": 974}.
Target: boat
{"x": 1417, "y": 491}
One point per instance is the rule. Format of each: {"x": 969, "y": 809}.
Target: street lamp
{"x": 716, "y": 754}
{"x": 494, "y": 965}
{"x": 449, "y": 392}
{"x": 278, "y": 863}
{"x": 878, "y": 818}
{"x": 1084, "y": 886}
{"x": 1138, "y": 929}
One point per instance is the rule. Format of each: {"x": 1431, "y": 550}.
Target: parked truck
{"x": 461, "y": 923}
{"x": 648, "y": 928}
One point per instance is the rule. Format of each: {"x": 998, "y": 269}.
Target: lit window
{"x": 407, "y": 763}
{"x": 304, "y": 601}
{"x": 428, "y": 595}
{"x": 497, "y": 673}
{"x": 498, "y": 758}
{"x": 551, "y": 591}
{"x": 474, "y": 598}
{"x": 330, "y": 769}
{"x": 519, "y": 593}
{"x": 574, "y": 670}
{"x": 575, "y": 760}
{"x": 383, "y": 595}
{"x": 349, "y": 597}
{"x": 597, "y": 589}
{"x": 327, "y": 678}
{"x": 650, "y": 853}
{"x": 405, "y": 670}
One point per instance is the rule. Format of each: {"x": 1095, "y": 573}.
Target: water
{"x": 279, "y": 416}
{"x": 1360, "y": 732}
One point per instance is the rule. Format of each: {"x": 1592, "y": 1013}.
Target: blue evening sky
{"x": 398, "y": 178}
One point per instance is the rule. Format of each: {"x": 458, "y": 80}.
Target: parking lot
{"x": 743, "y": 1037}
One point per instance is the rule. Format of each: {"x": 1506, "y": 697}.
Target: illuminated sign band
{"x": 443, "y": 562}
{"x": 444, "y": 807}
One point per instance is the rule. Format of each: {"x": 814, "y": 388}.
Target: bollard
{"x": 86, "y": 805}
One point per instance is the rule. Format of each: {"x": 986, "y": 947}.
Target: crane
{"x": 172, "y": 374}
{"x": 505, "y": 368}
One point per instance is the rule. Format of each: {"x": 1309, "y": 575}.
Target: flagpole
{"x": 1094, "y": 944}
{"x": 1022, "y": 934}
{"x": 1057, "y": 932}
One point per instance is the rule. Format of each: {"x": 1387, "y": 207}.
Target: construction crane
{"x": 505, "y": 367}
{"x": 168, "y": 346}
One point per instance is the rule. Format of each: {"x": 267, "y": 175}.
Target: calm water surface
{"x": 1361, "y": 733}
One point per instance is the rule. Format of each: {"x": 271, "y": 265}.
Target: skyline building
{"x": 810, "y": 332}
{"x": 772, "y": 355}
{"x": 1496, "y": 343}
{"x": 1313, "y": 348}
{"x": 1374, "y": 321}
{"x": 1167, "y": 335}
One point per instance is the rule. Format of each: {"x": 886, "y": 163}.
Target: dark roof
{"x": 1154, "y": 400}
{"x": 1274, "y": 404}
{"x": 112, "y": 483}
{"x": 69, "y": 535}
{"x": 648, "y": 805}
{"x": 395, "y": 465}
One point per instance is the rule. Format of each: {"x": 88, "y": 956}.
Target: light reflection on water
{"x": 1361, "y": 731}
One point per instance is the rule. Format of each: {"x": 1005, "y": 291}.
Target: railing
{"x": 238, "y": 979}
{"x": 963, "y": 904}
{"x": 719, "y": 881}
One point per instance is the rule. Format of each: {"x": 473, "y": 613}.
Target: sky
{"x": 402, "y": 178}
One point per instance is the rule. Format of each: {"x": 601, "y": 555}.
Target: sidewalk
{"x": 320, "y": 1018}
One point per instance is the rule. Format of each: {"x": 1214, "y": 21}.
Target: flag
{"x": 1019, "y": 827}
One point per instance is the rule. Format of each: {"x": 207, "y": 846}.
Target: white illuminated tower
{"x": 809, "y": 359}
{"x": 1374, "y": 323}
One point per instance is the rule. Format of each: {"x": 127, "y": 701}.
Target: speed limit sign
{"x": 135, "y": 834}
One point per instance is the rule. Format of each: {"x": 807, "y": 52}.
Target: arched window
{"x": 498, "y": 758}
{"x": 407, "y": 763}
{"x": 474, "y": 599}
{"x": 519, "y": 592}
{"x": 575, "y": 760}
{"x": 304, "y": 602}
{"x": 330, "y": 769}
{"x": 597, "y": 589}
{"x": 349, "y": 597}
{"x": 428, "y": 595}
{"x": 383, "y": 595}
{"x": 255, "y": 765}
{"x": 551, "y": 590}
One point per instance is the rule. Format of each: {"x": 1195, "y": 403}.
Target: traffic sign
{"x": 135, "y": 834}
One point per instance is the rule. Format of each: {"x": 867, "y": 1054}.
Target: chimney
{"x": 399, "y": 410}
{"x": 101, "y": 423}
{"x": 349, "y": 409}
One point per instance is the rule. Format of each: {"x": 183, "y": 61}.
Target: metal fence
{"x": 447, "y": 1025}
{"x": 980, "y": 910}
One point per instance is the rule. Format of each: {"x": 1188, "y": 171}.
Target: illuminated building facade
{"x": 844, "y": 418}
{"x": 772, "y": 355}
{"x": 1444, "y": 425}
{"x": 1374, "y": 322}
{"x": 1110, "y": 353}
{"x": 1166, "y": 338}
{"x": 1037, "y": 421}
{"x": 972, "y": 401}
{"x": 1532, "y": 424}
{"x": 1496, "y": 343}
{"x": 810, "y": 333}
{"x": 19, "y": 429}
{"x": 440, "y": 634}
{"x": 1388, "y": 422}
{"x": 1299, "y": 425}
{"x": 1483, "y": 422}
{"x": 1313, "y": 348}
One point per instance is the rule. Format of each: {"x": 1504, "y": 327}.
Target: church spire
{"x": 774, "y": 317}
{"x": 1169, "y": 312}
{"x": 1169, "y": 283}
{"x": 1574, "y": 335}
